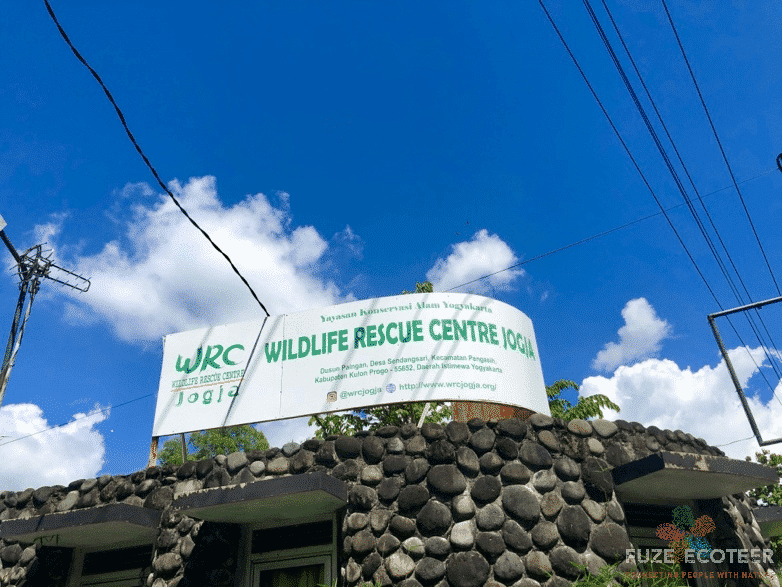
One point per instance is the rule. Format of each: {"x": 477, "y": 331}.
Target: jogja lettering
{"x": 206, "y": 396}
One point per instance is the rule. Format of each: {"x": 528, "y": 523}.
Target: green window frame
{"x": 323, "y": 554}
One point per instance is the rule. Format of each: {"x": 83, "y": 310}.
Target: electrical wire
{"x": 734, "y": 442}
{"x": 624, "y": 145}
{"x": 655, "y": 138}
{"x": 719, "y": 143}
{"x": 524, "y": 262}
{"x": 76, "y": 419}
{"x": 663, "y": 210}
{"x": 675, "y": 176}
{"x": 695, "y": 189}
{"x": 638, "y": 169}
{"x": 152, "y": 394}
{"x": 143, "y": 156}
{"x": 609, "y": 231}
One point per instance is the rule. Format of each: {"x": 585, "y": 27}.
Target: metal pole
{"x": 11, "y": 247}
{"x": 15, "y": 323}
{"x": 25, "y": 273}
{"x": 17, "y": 331}
{"x": 732, "y": 372}
{"x": 747, "y": 307}
{"x": 184, "y": 447}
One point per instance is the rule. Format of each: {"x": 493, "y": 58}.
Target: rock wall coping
{"x": 509, "y": 503}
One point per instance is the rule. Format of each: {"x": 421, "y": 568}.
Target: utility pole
{"x": 729, "y": 364}
{"x": 33, "y": 265}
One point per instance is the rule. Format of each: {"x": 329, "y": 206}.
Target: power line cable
{"x": 703, "y": 204}
{"x": 77, "y": 419}
{"x": 653, "y": 134}
{"x": 624, "y": 145}
{"x": 663, "y": 211}
{"x": 635, "y": 164}
{"x": 143, "y": 156}
{"x": 152, "y": 394}
{"x": 734, "y": 442}
{"x": 719, "y": 143}
{"x": 697, "y": 194}
{"x": 609, "y": 231}
{"x": 674, "y": 174}
{"x": 665, "y": 129}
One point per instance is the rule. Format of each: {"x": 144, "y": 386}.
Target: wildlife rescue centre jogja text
{"x": 415, "y": 347}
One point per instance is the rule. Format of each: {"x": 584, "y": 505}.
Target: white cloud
{"x": 352, "y": 243}
{"x": 54, "y": 457}
{"x": 639, "y": 338}
{"x": 162, "y": 276}
{"x": 469, "y": 260}
{"x": 704, "y": 403}
{"x": 44, "y": 233}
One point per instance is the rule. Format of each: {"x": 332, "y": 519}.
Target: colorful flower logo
{"x": 686, "y": 532}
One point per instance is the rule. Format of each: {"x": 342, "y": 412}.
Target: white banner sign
{"x": 415, "y": 347}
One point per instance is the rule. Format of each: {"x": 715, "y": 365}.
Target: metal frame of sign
{"x": 731, "y": 370}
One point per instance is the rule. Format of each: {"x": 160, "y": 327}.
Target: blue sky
{"x": 342, "y": 151}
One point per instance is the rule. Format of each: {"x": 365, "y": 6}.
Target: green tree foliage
{"x": 771, "y": 494}
{"x": 374, "y": 418}
{"x": 425, "y": 287}
{"x": 586, "y": 407}
{"x": 221, "y": 441}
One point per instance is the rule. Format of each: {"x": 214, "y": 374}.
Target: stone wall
{"x": 510, "y": 503}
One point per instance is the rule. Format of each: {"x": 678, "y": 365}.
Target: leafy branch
{"x": 586, "y": 407}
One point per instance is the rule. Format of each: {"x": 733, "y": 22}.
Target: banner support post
{"x": 184, "y": 447}
{"x": 423, "y": 415}
{"x": 153, "y": 452}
